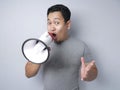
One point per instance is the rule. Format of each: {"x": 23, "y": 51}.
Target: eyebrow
{"x": 54, "y": 18}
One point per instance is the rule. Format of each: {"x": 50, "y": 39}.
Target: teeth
{"x": 54, "y": 34}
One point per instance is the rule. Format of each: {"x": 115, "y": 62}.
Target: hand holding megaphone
{"x": 37, "y": 50}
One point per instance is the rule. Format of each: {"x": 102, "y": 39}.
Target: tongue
{"x": 52, "y": 35}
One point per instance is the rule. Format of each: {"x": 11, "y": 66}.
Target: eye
{"x": 57, "y": 23}
{"x": 48, "y": 23}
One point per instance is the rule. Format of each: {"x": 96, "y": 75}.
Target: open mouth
{"x": 53, "y": 35}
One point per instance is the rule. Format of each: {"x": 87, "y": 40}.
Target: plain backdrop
{"x": 96, "y": 22}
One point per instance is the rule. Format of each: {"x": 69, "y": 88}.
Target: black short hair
{"x": 66, "y": 13}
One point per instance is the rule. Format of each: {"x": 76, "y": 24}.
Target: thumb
{"x": 82, "y": 68}
{"x": 83, "y": 61}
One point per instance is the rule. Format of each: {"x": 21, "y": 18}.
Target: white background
{"x": 97, "y": 22}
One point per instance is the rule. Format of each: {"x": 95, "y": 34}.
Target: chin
{"x": 58, "y": 41}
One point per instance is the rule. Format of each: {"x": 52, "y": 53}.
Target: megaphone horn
{"x": 37, "y": 50}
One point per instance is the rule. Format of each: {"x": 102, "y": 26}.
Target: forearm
{"x": 31, "y": 69}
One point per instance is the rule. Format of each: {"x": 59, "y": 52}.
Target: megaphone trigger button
{"x": 37, "y": 41}
{"x": 47, "y": 48}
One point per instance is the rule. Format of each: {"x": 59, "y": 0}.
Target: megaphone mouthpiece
{"x": 46, "y": 38}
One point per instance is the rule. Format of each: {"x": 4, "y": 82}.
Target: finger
{"x": 83, "y": 61}
{"x": 82, "y": 68}
{"x": 90, "y": 65}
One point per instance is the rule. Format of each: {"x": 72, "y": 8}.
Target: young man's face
{"x": 57, "y": 27}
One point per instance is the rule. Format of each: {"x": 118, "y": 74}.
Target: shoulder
{"x": 78, "y": 41}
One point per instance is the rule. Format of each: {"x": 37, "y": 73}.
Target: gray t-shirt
{"x": 61, "y": 71}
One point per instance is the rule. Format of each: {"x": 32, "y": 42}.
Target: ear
{"x": 68, "y": 24}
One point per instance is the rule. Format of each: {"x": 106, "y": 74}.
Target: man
{"x": 69, "y": 58}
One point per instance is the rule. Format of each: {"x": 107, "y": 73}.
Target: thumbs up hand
{"x": 88, "y": 70}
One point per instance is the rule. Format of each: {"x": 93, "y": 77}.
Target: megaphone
{"x": 37, "y": 50}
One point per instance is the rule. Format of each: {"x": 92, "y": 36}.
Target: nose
{"x": 51, "y": 28}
